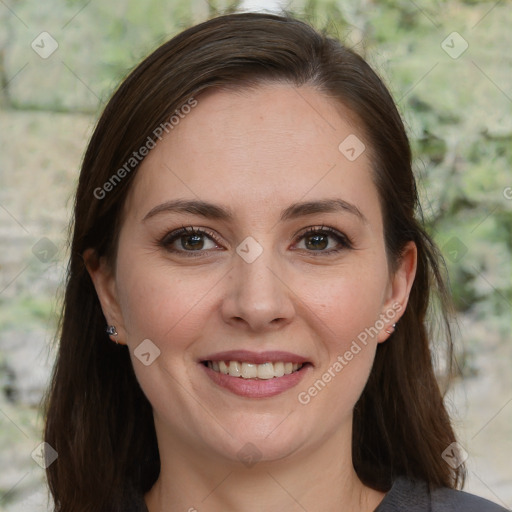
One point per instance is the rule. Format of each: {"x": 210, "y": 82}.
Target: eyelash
{"x": 171, "y": 237}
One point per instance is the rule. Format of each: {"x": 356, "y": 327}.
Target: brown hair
{"x": 98, "y": 419}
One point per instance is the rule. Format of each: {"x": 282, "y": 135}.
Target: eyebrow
{"x": 217, "y": 212}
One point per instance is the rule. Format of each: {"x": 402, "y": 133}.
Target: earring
{"x": 393, "y": 327}
{"x": 111, "y": 331}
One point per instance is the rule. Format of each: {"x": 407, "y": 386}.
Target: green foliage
{"x": 325, "y": 15}
{"x": 462, "y": 144}
{"x": 26, "y": 310}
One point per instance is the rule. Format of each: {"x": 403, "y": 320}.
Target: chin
{"x": 267, "y": 441}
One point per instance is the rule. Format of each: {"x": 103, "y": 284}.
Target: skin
{"x": 256, "y": 152}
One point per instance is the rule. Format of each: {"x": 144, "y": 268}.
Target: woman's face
{"x": 254, "y": 284}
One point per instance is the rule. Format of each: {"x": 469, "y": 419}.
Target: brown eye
{"x": 188, "y": 240}
{"x": 192, "y": 242}
{"x": 320, "y": 239}
{"x": 317, "y": 241}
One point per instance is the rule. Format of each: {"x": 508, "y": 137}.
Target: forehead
{"x": 253, "y": 149}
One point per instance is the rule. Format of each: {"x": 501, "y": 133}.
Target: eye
{"x": 318, "y": 239}
{"x": 188, "y": 240}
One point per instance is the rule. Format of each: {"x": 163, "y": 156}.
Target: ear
{"x": 398, "y": 290}
{"x": 104, "y": 282}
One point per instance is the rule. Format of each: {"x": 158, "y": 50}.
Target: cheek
{"x": 347, "y": 300}
{"x": 159, "y": 303}
{"x": 346, "y": 311}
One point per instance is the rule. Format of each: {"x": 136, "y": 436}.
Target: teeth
{"x": 245, "y": 370}
{"x": 249, "y": 370}
{"x": 279, "y": 369}
{"x": 266, "y": 371}
{"x": 235, "y": 369}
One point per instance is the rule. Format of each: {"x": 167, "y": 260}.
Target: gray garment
{"x": 414, "y": 496}
{"x": 404, "y": 496}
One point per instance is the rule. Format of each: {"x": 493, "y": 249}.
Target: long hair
{"x": 97, "y": 417}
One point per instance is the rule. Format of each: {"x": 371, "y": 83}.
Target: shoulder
{"x": 415, "y": 496}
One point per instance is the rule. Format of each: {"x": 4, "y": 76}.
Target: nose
{"x": 258, "y": 296}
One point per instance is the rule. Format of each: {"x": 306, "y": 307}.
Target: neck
{"x": 319, "y": 478}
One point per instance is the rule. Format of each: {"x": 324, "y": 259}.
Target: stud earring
{"x": 393, "y": 327}
{"x": 111, "y": 331}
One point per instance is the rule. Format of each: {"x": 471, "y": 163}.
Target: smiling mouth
{"x": 244, "y": 370}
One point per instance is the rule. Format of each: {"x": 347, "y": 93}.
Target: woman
{"x": 245, "y": 233}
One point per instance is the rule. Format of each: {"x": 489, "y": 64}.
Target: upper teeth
{"x": 252, "y": 370}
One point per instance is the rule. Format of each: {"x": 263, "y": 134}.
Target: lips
{"x": 255, "y": 374}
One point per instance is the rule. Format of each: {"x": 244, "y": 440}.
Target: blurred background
{"x": 449, "y": 67}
